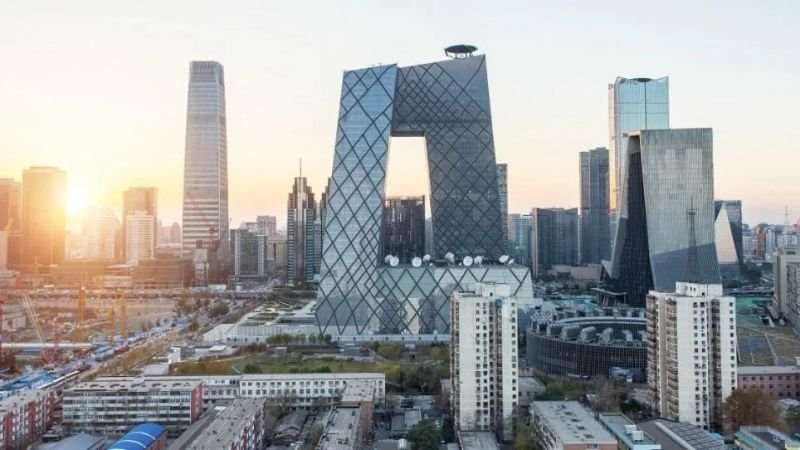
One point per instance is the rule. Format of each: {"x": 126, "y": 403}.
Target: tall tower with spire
{"x": 301, "y": 215}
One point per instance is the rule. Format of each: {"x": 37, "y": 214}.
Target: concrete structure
{"x": 728, "y": 231}
{"x": 780, "y": 381}
{"x": 403, "y": 230}
{"x": 10, "y": 218}
{"x": 139, "y": 199}
{"x": 554, "y": 238}
{"x": 665, "y": 226}
{"x": 483, "y": 359}
{"x": 242, "y": 425}
{"x": 100, "y": 229}
{"x": 628, "y": 435}
{"x": 111, "y": 406}
{"x": 519, "y": 238}
{"x": 786, "y": 297}
{"x": 139, "y": 237}
{"x": 343, "y": 430}
{"x": 595, "y": 242}
{"x": 477, "y": 440}
{"x": 43, "y": 216}
{"x": 764, "y": 438}
{"x": 25, "y": 416}
{"x": 248, "y": 255}
{"x": 144, "y": 436}
{"x": 633, "y": 104}
{"x": 205, "y": 174}
{"x": 301, "y": 214}
{"x": 672, "y": 435}
{"x": 568, "y": 426}
{"x": 691, "y": 366}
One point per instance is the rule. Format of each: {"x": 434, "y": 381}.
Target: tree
{"x": 194, "y": 326}
{"x": 524, "y": 439}
{"x": 425, "y": 436}
{"x": 448, "y": 429}
{"x": 752, "y": 407}
{"x": 251, "y": 368}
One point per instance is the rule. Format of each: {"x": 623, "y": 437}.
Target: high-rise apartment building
{"x": 99, "y": 231}
{"x": 665, "y": 229}
{"x": 691, "y": 354}
{"x": 267, "y": 225}
{"x": 633, "y": 104}
{"x": 519, "y": 237}
{"x": 483, "y": 359}
{"x": 205, "y": 182}
{"x": 502, "y": 196}
{"x": 404, "y": 227}
{"x": 730, "y": 245}
{"x": 43, "y": 216}
{"x": 554, "y": 238}
{"x": 595, "y": 222}
{"x": 140, "y": 241}
{"x": 10, "y": 223}
{"x": 782, "y": 298}
{"x": 248, "y": 254}
{"x": 139, "y": 199}
{"x": 302, "y": 212}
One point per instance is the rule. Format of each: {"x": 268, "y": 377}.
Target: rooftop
{"x": 572, "y": 423}
{"x": 477, "y": 440}
{"x": 626, "y": 430}
{"x": 224, "y": 429}
{"x": 680, "y": 435}
{"x": 765, "y": 438}
{"x": 768, "y": 370}
{"x": 357, "y": 391}
{"x": 341, "y": 430}
{"x": 135, "y": 384}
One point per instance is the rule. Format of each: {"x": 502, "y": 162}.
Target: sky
{"x": 98, "y": 88}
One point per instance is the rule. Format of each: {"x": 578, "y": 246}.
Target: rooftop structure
{"x": 561, "y": 424}
{"x": 343, "y": 430}
{"x": 629, "y": 436}
{"x": 764, "y": 438}
{"x": 240, "y": 426}
{"x": 477, "y": 440}
{"x": 680, "y": 435}
{"x": 144, "y": 436}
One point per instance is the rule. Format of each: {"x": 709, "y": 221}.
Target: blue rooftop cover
{"x": 139, "y": 437}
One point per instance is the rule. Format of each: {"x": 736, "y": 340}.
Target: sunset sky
{"x": 98, "y": 88}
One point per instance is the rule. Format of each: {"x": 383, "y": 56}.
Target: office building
{"x": 780, "y": 381}
{"x": 277, "y": 253}
{"x": 595, "y": 223}
{"x": 785, "y": 265}
{"x": 139, "y": 199}
{"x": 248, "y": 255}
{"x": 665, "y": 227}
{"x": 764, "y": 438}
{"x": 241, "y": 425}
{"x": 567, "y": 425}
{"x": 10, "y": 223}
{"x": 302, "y": 212}
{"x": 205, "y": 183}
{"x": 99, "y": 231}
{"x": 633, "y": 104}
{"x": 554, "y": 238}
{"x": 519, "y": 238}
{"x": 691, "y": 365}
{"x": 112, "y": 406}
{"x": 483, "y": 359}
{"x": 447, "y": 102}
{"x": 730, "y": 244}
{"x": 672, "y": 435}
{"x": 139, "y": 237}
{"x": 319, "y": 232}
{"x": 43, "y": 216}
{"x": 267, "y": 225}
{"x": 26, "y": 416}
{"x": 404, "y": 228}
{"x": 502, "y": 196}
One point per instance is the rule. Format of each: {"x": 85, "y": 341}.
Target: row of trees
{"x": 285, "y": 339}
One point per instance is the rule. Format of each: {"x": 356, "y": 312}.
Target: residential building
{"x": 728, "y": 231}
{"x": 691, "y": 365}
{"x": 111, "y": 406}
{"x": 241, "y": 425}
{"x": 43, "y": 216}
{"x": 99, "y": 230}
{"x": 404, "y": 228}
{"x": 780, "y": 381}
{"x": 248, "y": 255}
{"x": 764, "y": 438}
{"x": 10, "y": 223}
{"x": 665, "y": 229}
{"x": 568, "y": 426}
{"x": 447, "y": 102}
{"x": 25, "y": 416}
{"x": 502, "y": 195}
{"x": 633, "y": 104}
{"x": 674, "y": 435}
{"x": 595, "y": 243}
{"x": 205, "y": 183}
{"x": 785, "y": 264}
{"x": 519, "y": 237}
{"x": 628, "y": 435}
{"x": 267, "y": 225}
{"x": 302, "y": 212}
{"x": 139, "y": 237}
{"x": 554, "y": 238}
{"x": 483, "y": 359}
{"x": 139, "y": 199}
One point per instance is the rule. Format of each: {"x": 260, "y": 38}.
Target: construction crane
{"x": 31, "y": 311}
{"x": 80, "y": 330}
{"x": 123, "y": 317}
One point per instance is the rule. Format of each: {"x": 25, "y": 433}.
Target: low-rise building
{"x": 628, "y": 435}
{"x": 343, "y": 430}
{"x": 145, "y": 436}
{"x": 25, "y": 416}
{"x": 111, "y": 406}
{"x": 674, "y": 435}
{"x": 764, "y": 438}
{"x": 242, "y": 425}
{"x": 477, "y": 440}
{"x": 567, "y": 425}
{"x": 780, "y": 381}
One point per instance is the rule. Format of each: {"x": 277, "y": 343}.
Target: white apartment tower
{"x": 483, "y": 359}
{"x": 139, "y": 237}
{"x": 99, "y": 229}
{"x": 691, "y": 353}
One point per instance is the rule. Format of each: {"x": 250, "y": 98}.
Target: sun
{"x": 77, "y": 200}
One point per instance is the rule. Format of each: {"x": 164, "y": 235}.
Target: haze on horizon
{"x": 99, "y": 89}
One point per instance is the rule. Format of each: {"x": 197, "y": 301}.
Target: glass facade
{"x": 519, "y": 229}
{"x": 404, "y": 228}
{"x": 733, "y": 210}
{"x": 447, "y": 102}
{"x": 205, "y": 183}
{"x": 595, "y": 222}
{"x": 301, "y": 217}
{"x": 554, "y": 238}
{"x": 669, "y": 191}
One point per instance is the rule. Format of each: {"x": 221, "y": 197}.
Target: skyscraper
{"x": 486, "y": 399}
{"x": 302, "y": 212}
{"x": 404, "y": 227}
{"x": 554, "y": 238}
{"x": 502, "y": 195}
{"x": 248, "y": 254}
{"x": 140, "y": 240}
{"x": 633, "y": 104}
{"x": 10, "y": 222}
{"x": 665, "y": 231}
{"x": 519, "y": 236}
{"x": 595, "y": 222}
{"x": 730, "y": 211}
{"x": 139, "y": 199}
{"x": 205, "y": 183}
{"x": 99, "y": 230}
{"x": 267, "y": 225}
{"x": 43, "y": 216}
{"x": 691, "y": 354}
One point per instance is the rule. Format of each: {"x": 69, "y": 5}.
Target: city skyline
{"x": 107, "y": 140}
